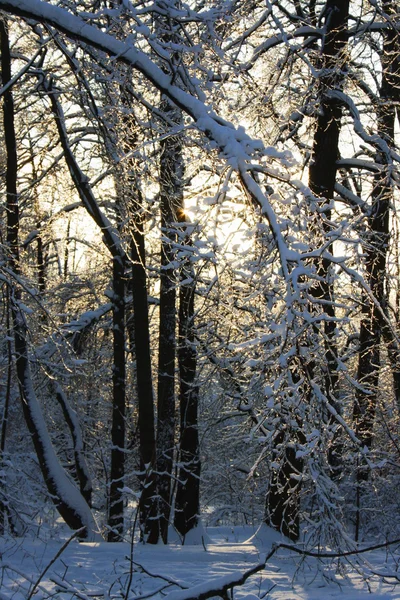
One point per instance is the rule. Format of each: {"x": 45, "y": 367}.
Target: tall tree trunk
{"x": 322, "y": 172}
{"x": 66, "y": 497}
{"x": 282, "y": 502}
{"x": 187, "y": 500}
{"x": 171, "y": 175}
{"x": 41, "y": 260}
{"x": 171, "y": 172}
{"x": 377, "y": 242}
{"x": 149, "y": 524}
{"x": 112, "y": 241}
{"x": 4, "y": 509}
{"x": 117, "y": 472}
{"x": 322, "y": 178}
{"x": 373, "y": 326}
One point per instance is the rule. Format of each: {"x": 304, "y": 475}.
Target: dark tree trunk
{"x": 148, "y": 521}
{"x": 41, "y": 260}
{"x": 322, "y": 173}
{"x": 187, "y": 500}
{"x": 66, "y": 251}
{"x": 12, "y": 199}
{"x": 282, "y": 501}
{"x": 171, "y": 175}
{"x": 4, "y": 510}
{"x": 117, "y": 472}
{"x": 373, "y": 326}
{"x": 11, "y": 149}
{"x": 66, "y": 497}
{"x": 322, "y": 178}
{"x": 282, "y": 506}
{"x": 377, "y": 242}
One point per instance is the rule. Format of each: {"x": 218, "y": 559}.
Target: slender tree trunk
{"x": 117, "y": 472}
{"x": 322, "y": 178}
{"x": 373, "y": 326}
{"x": 4, "y": 509}
{"x": 322, "y": 172}
{"x": 149, "y": 524}
{"x": 377, "y": 242}
{"x": 187, "y": 500}
{"x": 171, "y": 175}
{"x": 282, "y": 505}
{"x": 11, "y": 188}
{"x": 66, "y": 497}
{"x": 282, "y": 501}
{"x": 41, "y": 261}
{"x": 66, "y": 251}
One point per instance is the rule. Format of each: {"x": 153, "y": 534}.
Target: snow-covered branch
{"x": 234, "y": 144}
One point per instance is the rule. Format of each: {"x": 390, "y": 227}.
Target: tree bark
{"x": 376, "y": 243}
{"x": 187, "y": 499}
{"x": 117, "y": 471}
{"x": 171, "y": 175}
{"x": 282, "y": 501}
{"x": 322, "y": 178}
{"x": 322, "y": 172}
{"x": 149, "y": 524}
{"x": 112, "y": 241}
{"x": 4, "y": 508}
{"x": 282, "y": 505}
{"x": 66, "y": 497}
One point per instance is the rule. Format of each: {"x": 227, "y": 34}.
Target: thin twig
{"x": 338, "y": 554}
{"x": 53, "y": 560}
{"x": 165, "y": 578}
{"x": 64, "y": 586}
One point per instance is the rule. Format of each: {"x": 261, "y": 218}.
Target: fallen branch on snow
{"x": 223, "y": 585}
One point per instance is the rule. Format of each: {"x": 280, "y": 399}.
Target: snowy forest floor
{"x": 102, "y": 570}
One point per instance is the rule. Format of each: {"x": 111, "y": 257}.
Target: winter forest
{"x": 200, "y": 293}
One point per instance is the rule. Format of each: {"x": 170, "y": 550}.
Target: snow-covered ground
{"x": 102, "y": 570}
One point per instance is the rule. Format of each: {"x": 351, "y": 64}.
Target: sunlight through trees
{"x": 200, "y": 268}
